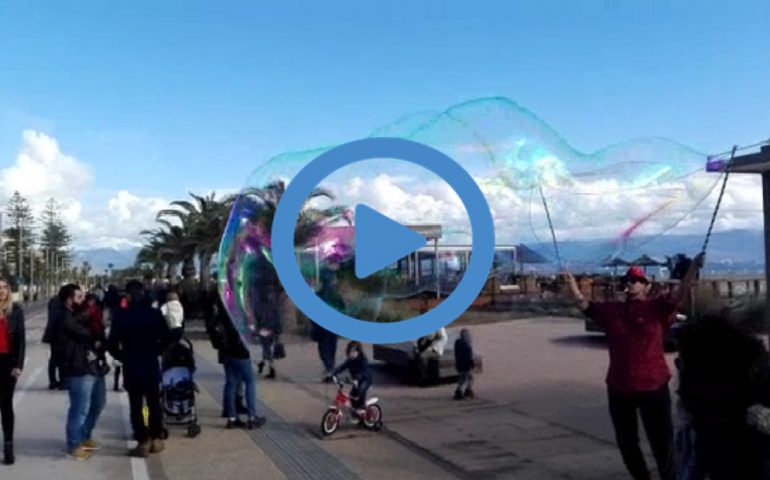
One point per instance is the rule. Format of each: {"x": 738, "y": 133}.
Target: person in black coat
{"x": 211, "y": 310}
{"x": 50, "y": 336}
{"x": 269, "y": 327}
{"x": 327, "y": 340}
{"x": 138, "y": 337}
{"x": 12, "y": 352}
{"x": 464, "y": 364}
{"x": 234, "y": 356}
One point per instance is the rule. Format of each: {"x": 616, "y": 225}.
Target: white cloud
{"x": 600, "y": 208}
{"x": 125, "y": 215}
{"x": 42, "y": 171}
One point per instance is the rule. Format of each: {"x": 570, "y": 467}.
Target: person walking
{"x": 235, "y": 358}
{"x": 50, "y": 337}
{"x": 12, "y": 351}
{"x": 638, "y": 376}
{"x": 327, "y": 340}
{"x": 268, "y": 330}
{"x": 137, "y": 339}
{"x": 464, "y": 364}
{"x": 79, "y": 370}
{"x": 215, "y": 330}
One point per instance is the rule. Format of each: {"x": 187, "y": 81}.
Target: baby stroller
{"x": 178, "y": 386}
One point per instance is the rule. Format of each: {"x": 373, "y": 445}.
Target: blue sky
{"x": 153, "y": 95}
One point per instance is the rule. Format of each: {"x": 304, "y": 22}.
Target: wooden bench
{"x": 403, "y": 355}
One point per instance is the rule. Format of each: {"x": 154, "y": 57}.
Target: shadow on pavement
{"x": 584, "y": 341}
{"x": 390, "y": 376}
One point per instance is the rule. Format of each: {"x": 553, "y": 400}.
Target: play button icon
{"x": 381, "y": 241}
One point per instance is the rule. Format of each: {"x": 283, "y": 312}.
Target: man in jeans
{"x": 138, "y": 336}
{"x": 87, "y": 395}
{"x": 638, "y": 375}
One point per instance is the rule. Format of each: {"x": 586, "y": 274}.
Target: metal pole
{"x": 20, "y": 256}
{"x": 766, "y": 210}
{"x": 31, "y": 272}
{"x": 417, "y": 267}
{"x": 435, "y": 268}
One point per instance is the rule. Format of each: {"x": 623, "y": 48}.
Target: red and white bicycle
{"x": 371, "y": 417}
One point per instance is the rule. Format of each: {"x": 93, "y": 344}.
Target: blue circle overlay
{"x": 453, "y": 306}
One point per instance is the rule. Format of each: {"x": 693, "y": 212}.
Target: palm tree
{"x": 190, "y": 229}
{"x": 311, "y": 220}
{"x": 85, "y": 272}
{"x": 169, "y": 246}
{"x": 150, "y": 256}
{"x": 204, "y": 222}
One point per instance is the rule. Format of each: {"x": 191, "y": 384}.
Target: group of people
{"x": 80, "y": 345}
{"x": 724, "y": 373}
{"x": 723, "y": 395}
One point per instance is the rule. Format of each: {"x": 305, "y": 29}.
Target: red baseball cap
{"x": 636, "y": 273}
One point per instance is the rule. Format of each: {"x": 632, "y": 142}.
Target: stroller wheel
{"x": 193, "y": 430}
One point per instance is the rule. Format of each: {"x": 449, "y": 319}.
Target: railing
{"x": 734, "y": 287}
{"x": 607, "y": 288}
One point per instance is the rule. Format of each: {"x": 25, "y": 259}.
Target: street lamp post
{"x": 31, "y": 272}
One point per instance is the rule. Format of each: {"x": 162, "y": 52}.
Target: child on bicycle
{"x": 358, "y": 366}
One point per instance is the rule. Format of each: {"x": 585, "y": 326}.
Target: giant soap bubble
{"x": 619, "y": 197}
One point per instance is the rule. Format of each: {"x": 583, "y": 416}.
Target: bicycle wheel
{"x": 373, "y": 417}
{"x": 330, "y": 422}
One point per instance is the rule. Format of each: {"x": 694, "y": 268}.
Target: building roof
{"x": 752, "y": 163}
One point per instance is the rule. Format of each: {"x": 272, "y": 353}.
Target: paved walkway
{"x": 541, "y": 414}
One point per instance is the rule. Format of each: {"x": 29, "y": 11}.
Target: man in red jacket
{"x": 637, "y": 380}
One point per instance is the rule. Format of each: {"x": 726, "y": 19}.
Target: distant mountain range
{"x": 736, "y": 251}
{"x": 100, "y": 258}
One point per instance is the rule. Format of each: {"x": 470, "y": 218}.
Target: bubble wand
{"x": 550, "y": 225}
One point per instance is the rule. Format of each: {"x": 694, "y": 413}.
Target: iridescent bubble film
{"x": 622, "y": 196}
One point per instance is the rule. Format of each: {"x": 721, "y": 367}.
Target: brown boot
{"x": 157, "y": 446}
{"x": 142, "y": 450}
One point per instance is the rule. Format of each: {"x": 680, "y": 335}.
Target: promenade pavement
{"x": 540, "y": 413}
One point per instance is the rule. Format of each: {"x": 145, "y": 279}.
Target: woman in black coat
{"x": 12, "y": 346}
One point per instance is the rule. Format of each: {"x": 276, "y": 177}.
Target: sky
{"x": 116, "y": 108}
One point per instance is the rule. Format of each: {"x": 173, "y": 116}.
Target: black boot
{"x": 255, "y": 422}
{"x": 458, "y": 395}
{"x": 469, "y": 394}
{"x": 10, "y": 459}
{"x": 271, "y": 373}
{"x": 234, "y": 423}
{"x": 261, "y": 367}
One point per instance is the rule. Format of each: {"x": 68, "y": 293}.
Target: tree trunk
{"x": 160, "y": 270}
{"x": 171, "y": 270}
{"x": 188, "y": 268}
{"x": 205, "y": 266}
